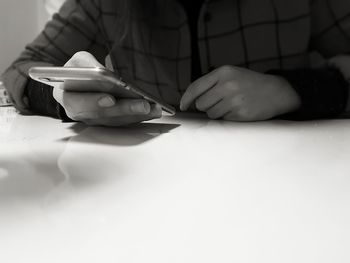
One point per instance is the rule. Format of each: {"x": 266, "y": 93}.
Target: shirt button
{"x": 207, "y": 17}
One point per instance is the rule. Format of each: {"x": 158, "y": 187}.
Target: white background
{"x": 20, "y": 22}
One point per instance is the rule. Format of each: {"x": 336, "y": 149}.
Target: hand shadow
{"x": 86, "y": 164}
{"x": 37, "y": 173}
{"x": 131, "y": 135}
{"x": 29, "y": 174}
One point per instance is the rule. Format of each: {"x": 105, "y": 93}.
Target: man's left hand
{"x": 239, "y": 94}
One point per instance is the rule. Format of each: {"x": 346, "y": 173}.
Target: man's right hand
{"x": 101, "y": 108}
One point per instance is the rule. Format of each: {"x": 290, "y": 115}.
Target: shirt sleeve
{"x": 74, "y": 28}
{"x": 330, "y": 31}
{"x": 323, "y": 92}
{"x": 41, "y": 100}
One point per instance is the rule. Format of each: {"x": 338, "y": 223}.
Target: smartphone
{"x": 94, "y": 80}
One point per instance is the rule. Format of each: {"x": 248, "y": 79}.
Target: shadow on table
{"x": 28, "y": 177}
{"x": 49, "y": 172}
{"x": 120, "y": 136}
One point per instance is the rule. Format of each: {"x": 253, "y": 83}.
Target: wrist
{"x": 323, "y": 92}
{"x": 288, "y": 99}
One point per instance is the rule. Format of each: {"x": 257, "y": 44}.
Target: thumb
{"x": 83, "y": 59}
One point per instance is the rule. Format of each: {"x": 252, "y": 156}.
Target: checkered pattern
{"x": 156, "y": 54}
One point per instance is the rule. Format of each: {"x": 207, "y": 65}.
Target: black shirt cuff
{"x": 42, "y": 102}
{"x": 323, "y": 92}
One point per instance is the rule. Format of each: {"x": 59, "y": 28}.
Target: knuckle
{"x": 79, "y": 58}
{"x": 128, "y": 108}
{"x": 230, "y": 85}
{"x": 237, "y": 101}
{"x": 227, "y": 69}
{"x": 124, "y": 108}
{"x": 74, "y": 58}
{"x": 121, "y": 109}
{"x": 81, "y": 54}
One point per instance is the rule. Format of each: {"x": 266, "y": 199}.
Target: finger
{"x": 237, "y": 115}
{"x": 118, "y": 121}
{"x": 156, "y": 112}
{"x": 210, "y": 98}
{"x": 99, "y": 105}
{"x": 197, "y": 88}
{"x": 128, "y": 107}
{"x": 241, "y": 113}
{"x": 132, "y": 107}
{"x": 83, "y": 59}
{"x": 219, "y": 110}
{"x": 228, "y": 107}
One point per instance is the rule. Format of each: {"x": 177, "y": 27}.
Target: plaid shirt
{"x": 260, "y": 35}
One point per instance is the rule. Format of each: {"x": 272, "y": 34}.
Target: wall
{"x": 20, "y": 22}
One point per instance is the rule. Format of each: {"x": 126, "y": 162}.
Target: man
{"x": 239, "y": 60}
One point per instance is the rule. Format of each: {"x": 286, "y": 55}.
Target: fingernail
{"x": 159, "y": 112}
{"x": 106, "y": 102}
{"x": 141, "y": 107}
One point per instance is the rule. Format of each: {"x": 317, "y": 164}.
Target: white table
{"x": 180, "y": 189}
